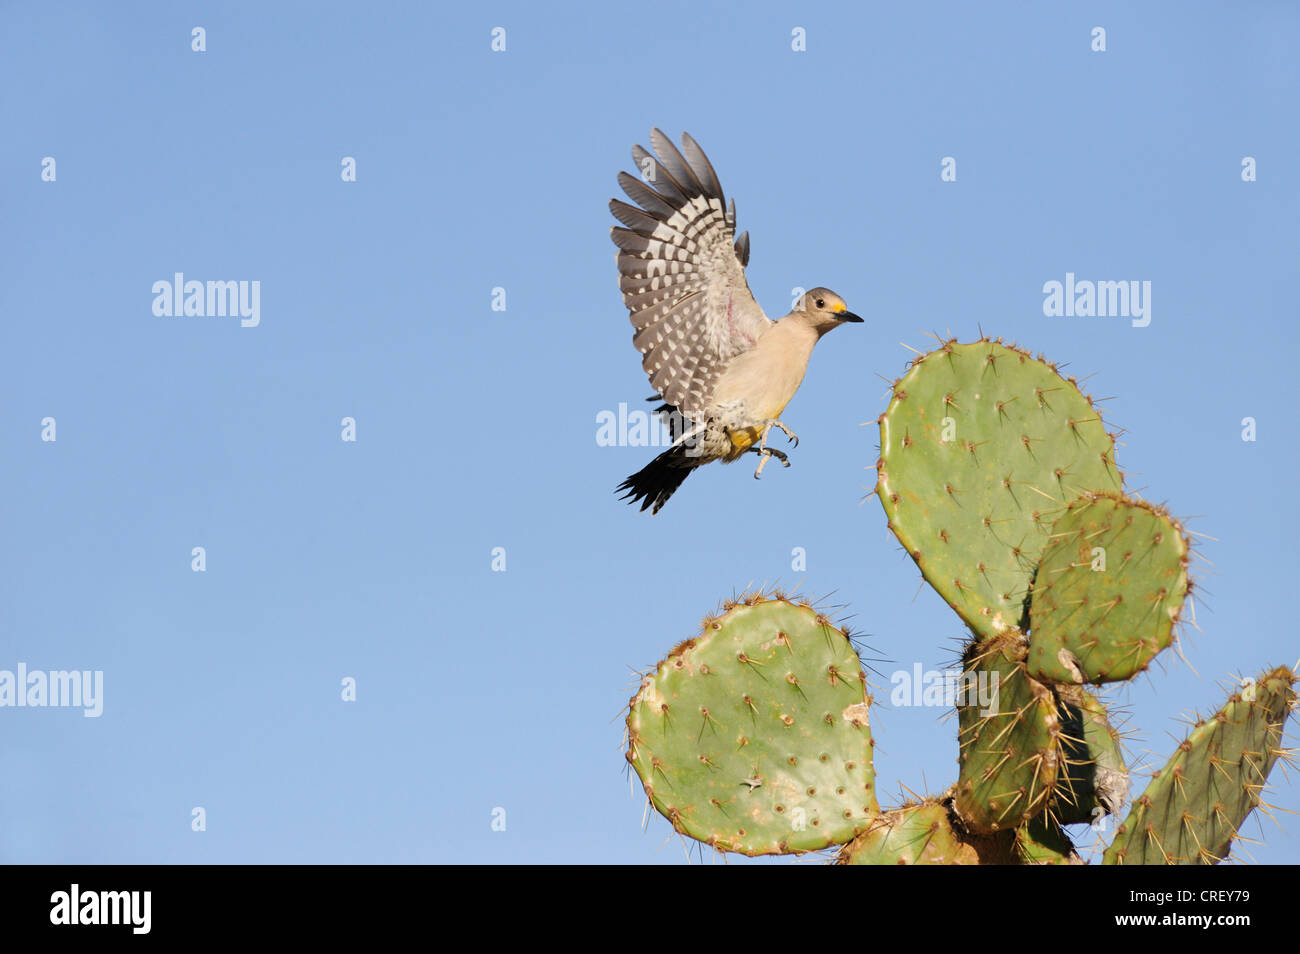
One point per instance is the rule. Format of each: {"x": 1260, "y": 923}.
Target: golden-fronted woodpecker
{"x": 724, "y": 370}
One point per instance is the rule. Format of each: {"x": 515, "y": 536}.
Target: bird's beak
{"x": 847, "y": 316}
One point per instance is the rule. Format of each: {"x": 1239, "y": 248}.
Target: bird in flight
{"x": 724, "y": 370}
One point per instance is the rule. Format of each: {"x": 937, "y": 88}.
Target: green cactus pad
{"x": 1011, "y": 749}
{"x": 1043, "y": 842}
{"x": 1093, "y": 778}
{"x": 920, "y": 834}
{"x": 1196, "y": 804}
{"x": 981, "y": 447}
{"x": 1108, "y": 592}
{"x": 754, "y": 736}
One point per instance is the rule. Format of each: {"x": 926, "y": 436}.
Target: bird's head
{"x": 824, "y": 310}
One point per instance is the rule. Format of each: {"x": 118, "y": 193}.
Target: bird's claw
{"x": 766, "y": 453}
{"x": 789, "y": 434}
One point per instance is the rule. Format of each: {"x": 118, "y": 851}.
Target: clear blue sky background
{"x": 476, "y": 428}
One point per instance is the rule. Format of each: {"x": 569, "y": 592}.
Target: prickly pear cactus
{"x": 1000, "y": 480}
{"x": 1108, "y": 592}
{"x": 753, "y": 737}
{"x": 1195, "y": 805}
{"x": 919, "y": 834}
{"x": 1094, "y": 780}
{"x": 1010, "y": 751}
{"x": 980, "y": 448}
{"x": 1043, "y": 841}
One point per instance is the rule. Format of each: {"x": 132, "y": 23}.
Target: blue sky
{"x": 476, "y": 428}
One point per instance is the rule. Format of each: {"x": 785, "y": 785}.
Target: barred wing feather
{"x": 682, "y": 273}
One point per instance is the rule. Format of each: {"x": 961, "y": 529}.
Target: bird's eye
{"x": 820, "y": 303}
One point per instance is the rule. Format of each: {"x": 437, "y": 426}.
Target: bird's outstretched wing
{"x": 682, "y": 272}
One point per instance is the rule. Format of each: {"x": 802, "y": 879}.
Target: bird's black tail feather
{"x": 659, "y": 479}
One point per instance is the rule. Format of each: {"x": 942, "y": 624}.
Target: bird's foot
{"x": 767, "y": 427}
{"x": 766, "y": 453}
